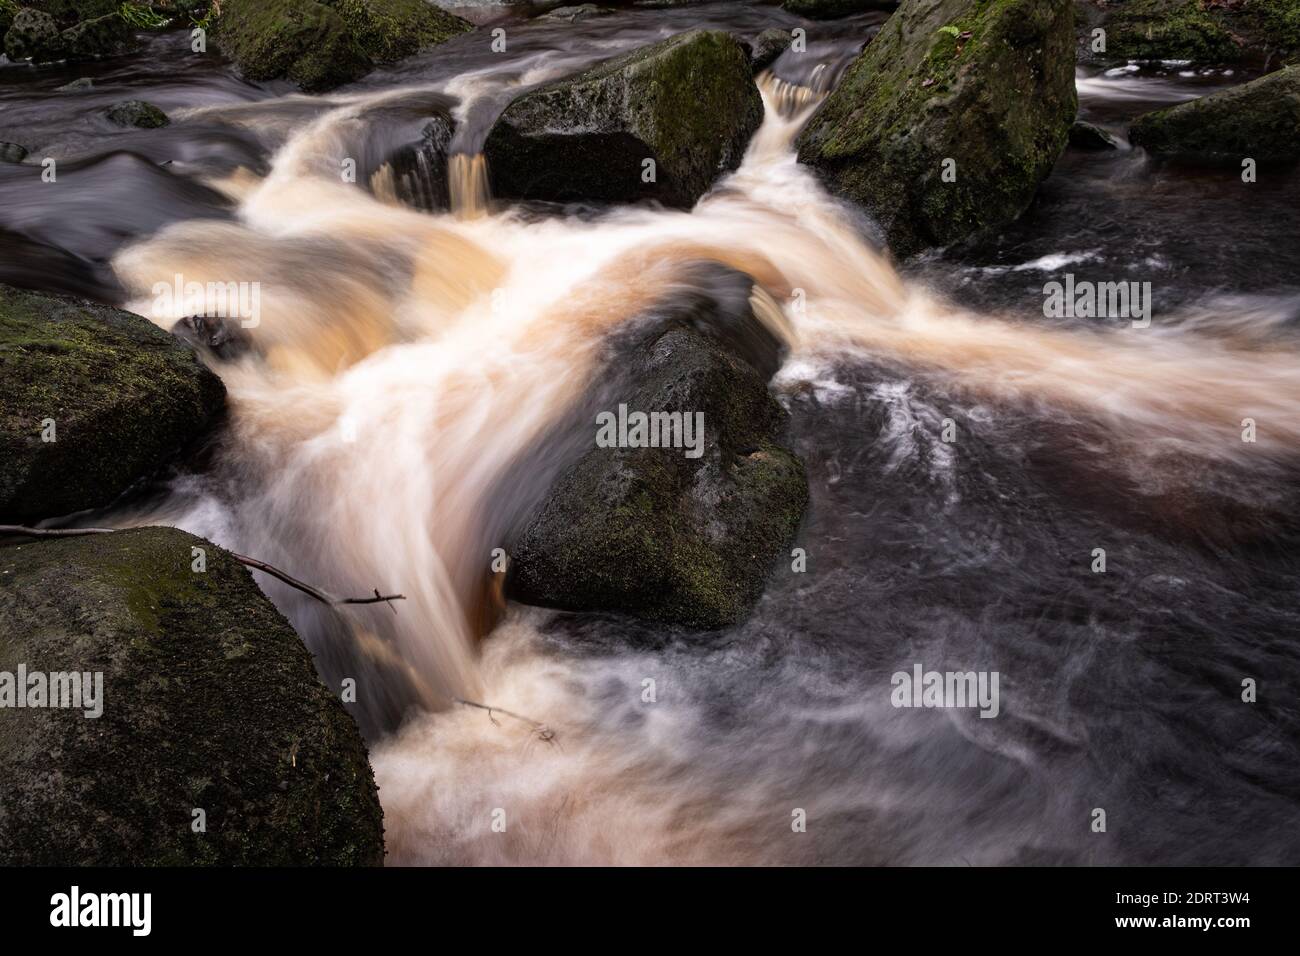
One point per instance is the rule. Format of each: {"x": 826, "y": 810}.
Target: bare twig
{"x": 544, "y": 733}
{"x": 275, "y": 572}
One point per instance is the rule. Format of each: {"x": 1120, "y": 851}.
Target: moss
{"x": 1260, "y": 119}
{"x": 123, "y": 395}
{"x": 1169, "y": 30}
{"x": 251, "y": 737}
{"x": 988, "y": 84}
{"x": 323, "y": 45}
{"x": 688, "y": 103}
{"x": 649, "y": 532}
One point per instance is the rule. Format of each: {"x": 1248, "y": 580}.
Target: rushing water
{"x": 407, "y": 396}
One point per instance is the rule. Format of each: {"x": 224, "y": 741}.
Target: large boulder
{"x": 689, "y": 103}
{"x": 979, "y": 92}
{"x": 320, "y": 45}
{"x": 117, "y": 395}
{"x": 33, "y": 35}
{"x": 1259, "y": 120}
{"x": 652, "y": 532}
{"x": 210, "y": 703}
{"x": 1200, "y": 31}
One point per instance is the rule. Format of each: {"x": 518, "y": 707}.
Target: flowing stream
{"x": 406, "y": 363}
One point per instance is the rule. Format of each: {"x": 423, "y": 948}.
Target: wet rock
{"x": 417, "y": 174}
{"x": 322, "y": 45}
{"x": 223, "y": 337}
{"x": 767, "y": 47}
{"x": 688, "y": 103}
{"x": 35, "y": 36}
{"x": 117, "y": 395}
{"x": 1087, "y": 136}
{"x": 584, "y": 11}
{"x": 653, "y": 532}
{"x": 948, "y": 121}
{"x": 1204, "y": 33}
{"x": 833, "y": 9}
{"x": 1259, "y": 120}
{"x": 209, "y": 702}
{"x": 137, "y": 113}
{"x": 102, "y": 36}
{"x": 12, "y": 153}
{"x": 79, "y": 85}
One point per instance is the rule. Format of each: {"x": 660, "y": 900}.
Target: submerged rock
{"x": 417, "y": 174}
{"x": 688, "y": 103}
{"x": 1088, "y": 136}
{"x": 91, "y": 399}
{"x": 322, "y": 45}
{"x": 210, "y": 702}
{"x": 1259, "y": 120}
{"x": 654, "y": 532}
{"x": 137, "y": 113}
{"x": 948, "y": 121}
{"x": 12, "y": 153}
{"x": 33, "y": 35}
{"x": 79, "y": 85}
{"x": 768, "y": 46}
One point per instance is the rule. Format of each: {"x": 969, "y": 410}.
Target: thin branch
{"x": 544, "y": 733}
{"x": 275, "y": 572}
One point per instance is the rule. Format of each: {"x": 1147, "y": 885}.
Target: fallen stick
{"x": 275, "y": 572}
{"x": 543, "y": 732}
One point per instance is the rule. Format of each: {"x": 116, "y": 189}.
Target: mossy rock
{"x": 1169, "y": 30}
{"x": 987, "y": 84}
{"x": 653, "y": 533}
{"x": 103, "y": 36}
{"x": 688, "y": 103}
{"x": 768, "y": 47}
{"x": 210, "y": 702}
{"x": 322, "y": 45}
{"x": 1202, "y": 32}
{"x": 123, "y": 396}
{"x": 34, "y": 36}
{"x": 136, "y": 113}
{"x": 1258, "y": 120}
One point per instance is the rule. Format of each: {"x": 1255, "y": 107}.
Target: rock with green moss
{"x": 1200, "y": 31}
{"x": 768, "y": 47}
{"x": 91, "y": 400}
{"x": 12, "y": 153}
{"x": 321, "y": 45}
{"x": 688, "y": 104}
{"x": 1169, "y": 30}
{"x": 35, "y": 36}
{"x": 103, "y": 36}
{"x": 948, "y": 121}
{"x": 652, "y": 532}
{"x": 136, "y": 113}
{"x": 1259, "y": 120}
{"x": 210, "y": 712}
